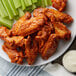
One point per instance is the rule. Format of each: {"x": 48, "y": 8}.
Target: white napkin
{"x": 57, "y": 70}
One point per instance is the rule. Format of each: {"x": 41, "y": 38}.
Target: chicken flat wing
{"x": 59, "y": 16}
{"x": 14, "y": 55}
{"x": 53, "y": 15}
{"x": 28, "y": 27}
{"x": 59, "y": 4}
{"x": 31, "y": 51}
{"x": 43, "y": 35}
{"x": 62, "y": 31}
{"x": 50, "y": 46}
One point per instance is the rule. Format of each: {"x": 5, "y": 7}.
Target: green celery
{"x": 17, "y": 3}
{"x": 45, "y": 2}
{"x": 23, "y": 5}
{"x": 34, "y": 1}
{"x": 28, "y": 3}
{"x": 3, "y": 11}
{"x": 49, "y": 2}
{"x": 21, "y": 13}
{"x": 8, "y": 9}
{"x": 33, "y": 6}
{"x": 39, "y": 3}
{"x": 42, "y": 3}
{"x": 6, "y": 22}
{"x": 15, "y": 12}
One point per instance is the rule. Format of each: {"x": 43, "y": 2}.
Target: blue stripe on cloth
{"x": 25, "y": 71}
{"x": 18, "y": 69}
{"x": 41, "y": 68}
{"x": 12, "y": 72}
{"x": 34, "y": 71}
{"x": 33, "y": 68}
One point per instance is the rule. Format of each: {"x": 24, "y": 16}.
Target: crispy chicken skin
{"x": 62, "y": 31}
{"x": 19, "y": 23}
{"x": 16, "y": 41}
{"x": 53, "y": 15}
{"x": 4, "y": 32}
{"x": 29, "y": 26}
{"x": 50, "y": 46}
{"x": 31, "y": 51}
{"x": 43, "y": 34}
{"x": 59, "y": 4}
{"x": 14, "y": 55}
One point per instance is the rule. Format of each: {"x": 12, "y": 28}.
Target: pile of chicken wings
{"x": 35, "y": 35}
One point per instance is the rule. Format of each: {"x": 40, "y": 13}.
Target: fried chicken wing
{"x": 62, "y": 31}
{"x": 4, "y": 32}
{"x": 31, "y": 51}
{"x": 28, "y": 27}
{"x": 14, "y": 55}
{"x": 50, "y": 46}
{"x": 59, "y": 4}
{"x": 59, "y": 16}
{"x": 53, "y": 15}
{"x": 13, "y": 40}
{"x": 43, "y": 35}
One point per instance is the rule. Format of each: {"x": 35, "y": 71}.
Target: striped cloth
{"x": 8, "y": 69}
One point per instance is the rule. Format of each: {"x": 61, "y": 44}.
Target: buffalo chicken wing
{"x": 59, "y": 4}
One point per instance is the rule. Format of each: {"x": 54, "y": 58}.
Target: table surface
{"x": 72, "y": 47}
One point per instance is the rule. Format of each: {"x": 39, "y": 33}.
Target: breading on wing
{"x": 31, "y": 51}
{"x": 62, "y": 31}
{"x": 50, "y": 46}
{"x": 29, "y": 26}
{"x": 53, "y": 15}
{"x": 59, "y": 4}
{"x": 14, "y": 55}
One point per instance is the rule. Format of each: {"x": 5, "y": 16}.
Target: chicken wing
{"x": 59, "y": 4}
{"x": 28, "y": 27}
{"x": 43, "y": 35}
{"x": 14, "y": 55}
{"x": 4, "y": 32}
{"x": 62, "y": 31}
{"x": 53, "y": 15}
{"x": 50, "y": 46}
{"x": 31, "y": 51}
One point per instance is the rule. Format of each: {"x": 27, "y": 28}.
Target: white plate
{"x": 63, "y": 46}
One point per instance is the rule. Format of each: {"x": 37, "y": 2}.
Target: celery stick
{"x": 6, "y": 22}
{"x": 39, "y": 3}
{"x": 23, "y": 5}
{"x": 8, "y": 9}
{"x": 42, "y": 3}
{"x": 3, "y": 11}
{"x": 15, "y": 12}
{"x": 33, "y": 6}
{"x": 49, "y": 2}
{"x": 21, "y": 13}
{"x": 17, "y": 3}
{"x": 28, "y": 3}
{"x": 34, "y": 1}
{"x": 45, "y": 2}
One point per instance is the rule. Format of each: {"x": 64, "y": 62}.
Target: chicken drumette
{"x": 59, "y": 4}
